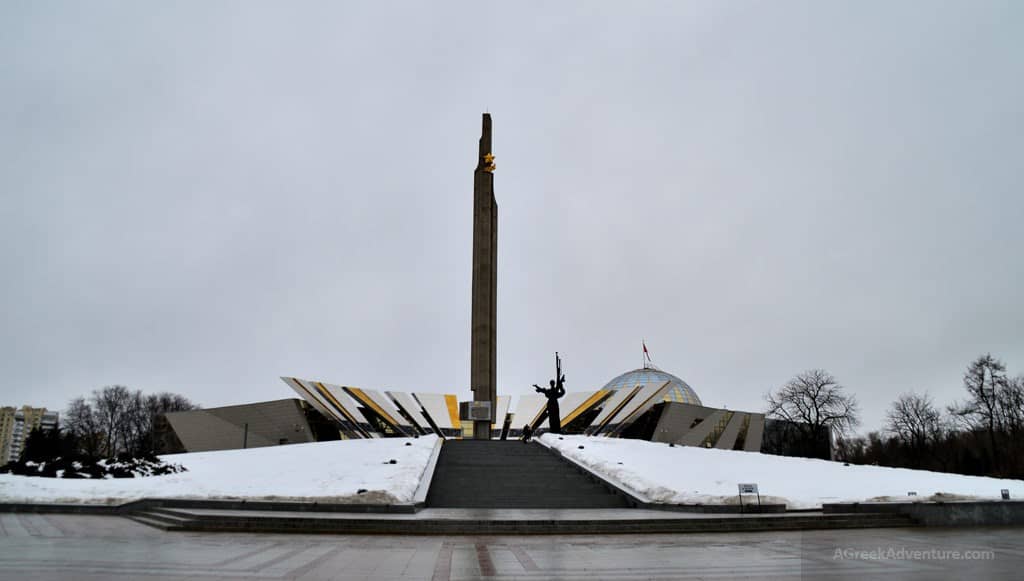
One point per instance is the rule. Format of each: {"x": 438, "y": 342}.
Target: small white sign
{"x": 748, "y": 488}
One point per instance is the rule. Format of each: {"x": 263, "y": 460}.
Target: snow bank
{"x": 322, "y": 471}
{"x": 688, "y": 475}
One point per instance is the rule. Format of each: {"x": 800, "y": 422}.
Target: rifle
{"x": 559, "y": 378}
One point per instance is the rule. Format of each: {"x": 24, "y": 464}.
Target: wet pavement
{"x": 49, "y": 546}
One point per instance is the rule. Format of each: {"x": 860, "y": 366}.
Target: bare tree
{"x": 165, "y": 402}
{"x": 116, "y": 419}
{"x": 153, "y": 406}
{"x": 914, "y": 419}
{"x": 985, "y": 380}
{"x": 1011, "y": 405}
{"x": 134, "y": 423}
{"x": 80, "y": 420}
{"x": 815, "y": 401}
{"x": 112, "y": 406}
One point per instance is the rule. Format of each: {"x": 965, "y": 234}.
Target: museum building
{"x": 645, "y": 403}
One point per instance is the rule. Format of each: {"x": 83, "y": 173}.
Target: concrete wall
{"x": 944, "y": 514}
{"x": 675, "y": 425}
{"x": 270, "y": 423}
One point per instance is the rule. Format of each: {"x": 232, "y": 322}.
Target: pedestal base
{"x": 481, "y": 430}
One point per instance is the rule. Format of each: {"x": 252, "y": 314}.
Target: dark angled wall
{"x": 784, "y": 438}
{"x": 270, "y": 423}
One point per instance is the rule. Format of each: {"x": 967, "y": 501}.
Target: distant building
{"x": 17, "y": 423}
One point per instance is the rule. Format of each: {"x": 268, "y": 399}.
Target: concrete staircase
{"x": 486, "y": 487}
{"x": 511, "y": 474}
{"x": 165, "y": 519}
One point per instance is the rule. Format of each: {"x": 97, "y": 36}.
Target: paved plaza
{"x": 47, "y": 546}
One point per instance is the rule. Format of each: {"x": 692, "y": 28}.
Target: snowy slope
{"x": 325, "y": 471}
{"x": 685, "y": 475}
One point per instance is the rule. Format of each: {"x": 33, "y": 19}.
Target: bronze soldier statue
{"x": 555, "y": 391}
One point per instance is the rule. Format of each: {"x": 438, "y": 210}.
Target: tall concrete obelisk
{"x": 483, "y": 348}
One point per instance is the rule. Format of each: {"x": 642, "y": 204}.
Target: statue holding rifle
{"x": 555, "y": 391}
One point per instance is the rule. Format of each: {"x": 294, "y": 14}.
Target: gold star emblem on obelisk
{"x": 489, "y": 162}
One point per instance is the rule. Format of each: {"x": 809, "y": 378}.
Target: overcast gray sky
{"x": 203, "y": 196}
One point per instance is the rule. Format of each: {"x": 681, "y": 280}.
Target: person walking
{"x": 527, "y": 433}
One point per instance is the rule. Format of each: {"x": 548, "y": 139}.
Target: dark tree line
{"x": 982, "y": 435}
{"x": 116, "y": 420}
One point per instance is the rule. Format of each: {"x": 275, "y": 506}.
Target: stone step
{"x": 149, "y": 521}
{"x": 449, "y": 496}
{"x": 496, "y": 469}
{"x": 555, "y": 503}
{"x": 587, "y": 495}
{"x": 494, "y": 474}
{"x": 168, "y": 515}
{"x": 453, "y": 496}
{"x": 163, "y": 518}
{"x": 562, "y": 480}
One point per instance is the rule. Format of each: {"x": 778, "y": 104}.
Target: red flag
{"x": 646, "y": 354}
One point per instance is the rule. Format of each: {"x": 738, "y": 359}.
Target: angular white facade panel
{"x": 612, "y": 406}
{"x": 351, "y": 406}
{"x": 528, "y": 409}
{"x": 570, "y": 403}
{"x": 648, "y": 395}
{"x": 313, "y": 398}
{"x": 436, "y": 406}
{"x": 385, "y": 404}
{"x": 502, "y": 410}
{"x": 411, "y": 407}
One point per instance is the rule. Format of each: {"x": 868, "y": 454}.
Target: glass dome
{"x": 679, "y": 390}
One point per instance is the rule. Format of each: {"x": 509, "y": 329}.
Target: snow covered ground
{"x": 686, "y": 475}
{"x": 323, "y": 471}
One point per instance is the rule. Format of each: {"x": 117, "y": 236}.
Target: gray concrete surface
{"x": 48, "y": 546}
